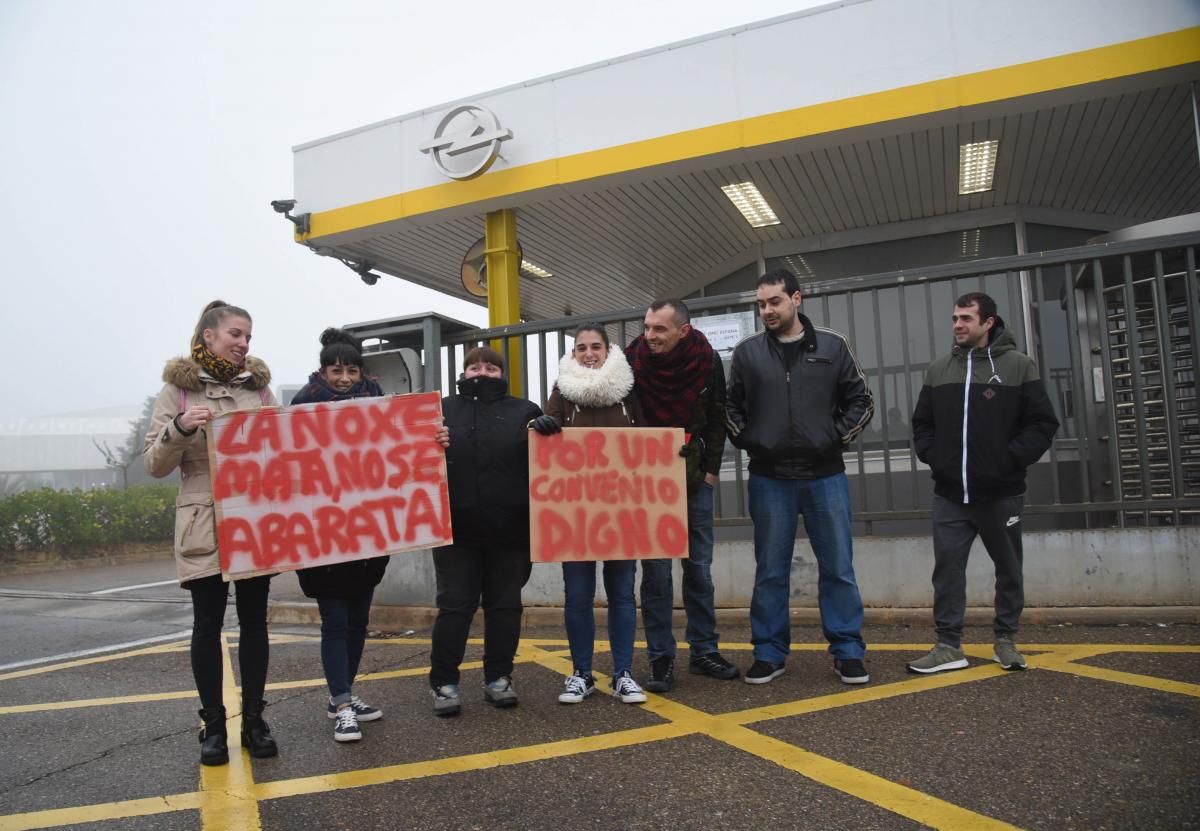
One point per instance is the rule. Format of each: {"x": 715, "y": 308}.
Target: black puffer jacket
{"x": 488, "y": 461}
{"x": 794, "y": 421}
{"x": 343, "y": 580}
{"x": 995, "y": 396}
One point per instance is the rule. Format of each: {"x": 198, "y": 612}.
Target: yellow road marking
{"x": 910, "y": 686}
{"x": 465, "y": 764}
{"x": 868, "y": 787}
{"x": 95, "y": 702}
{"x": 82, "y": 662}
{"x": 226, "y": 803}
{"x": 1131, "y": 679}
{"x": 56, "y": 817}
{"x": 228, "y": 798}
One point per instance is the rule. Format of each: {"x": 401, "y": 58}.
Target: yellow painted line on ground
{"x": 46, "y": 707}
{"x": 864, "y": 695}
{"x": 868, "y": 787}
{"x": 226, "y": 800}
{"x": 905, "y": 801}
{"x": 467, "y": 764}
{"x": 1131, "y": 679}
{"x": 56, "y": 817}
{"x": 83, "y": 662}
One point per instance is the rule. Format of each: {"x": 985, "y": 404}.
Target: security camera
{"x": 282, "y": 206}
{"x": 369, "y": 278}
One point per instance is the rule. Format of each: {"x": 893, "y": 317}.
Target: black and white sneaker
{"x": 345, "y": 728}
{"x": 362, "y": 710}
{"x": 763, "y": 672}
{"x": 851, "y": 670}
{"x": 626, "y": 689}
{"x": 578, "y": 686}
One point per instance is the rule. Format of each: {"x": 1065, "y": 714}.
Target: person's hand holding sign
{"x": 192, "y": 418}
{"x": 442, "y": 436}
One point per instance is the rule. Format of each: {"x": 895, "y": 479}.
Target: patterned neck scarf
{"x": 668, "y": 385}
{"x": 219, "y": 368}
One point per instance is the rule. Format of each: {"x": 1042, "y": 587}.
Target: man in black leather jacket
{"x": 796, "y": 399}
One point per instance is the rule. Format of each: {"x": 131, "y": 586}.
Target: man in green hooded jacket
{"x": 982, "y": 418}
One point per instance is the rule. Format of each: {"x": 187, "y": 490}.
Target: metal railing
{"x": 1113, "y": 333}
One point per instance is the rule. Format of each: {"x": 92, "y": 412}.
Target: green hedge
{"x": 76, "y": 520}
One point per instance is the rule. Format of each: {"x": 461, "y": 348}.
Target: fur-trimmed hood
{"x": 185, "y": 373}
{"x": 601, "y": 387}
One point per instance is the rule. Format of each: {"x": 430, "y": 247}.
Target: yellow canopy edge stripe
{"x": 1089, "y": 66}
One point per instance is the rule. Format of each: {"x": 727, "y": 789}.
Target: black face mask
{"x": 481, "y": 386}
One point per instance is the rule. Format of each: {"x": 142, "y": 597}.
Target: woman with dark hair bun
{"x": 343, "y": 591}
{"x": 341, "y": 375}
{"x": 219, "y": 376}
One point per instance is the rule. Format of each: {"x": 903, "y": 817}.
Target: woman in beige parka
{"x": 217, "y": 377}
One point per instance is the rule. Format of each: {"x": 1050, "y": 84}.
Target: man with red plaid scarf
{"x": 680, "y": 382}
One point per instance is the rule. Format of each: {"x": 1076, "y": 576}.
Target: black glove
{"x": 546, "y": 425}
{"x": 685, "y": 451}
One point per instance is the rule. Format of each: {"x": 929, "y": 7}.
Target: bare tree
{"x": 118, "y": 460}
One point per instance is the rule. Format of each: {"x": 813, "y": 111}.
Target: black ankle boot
{"x": 214, "y": 747}
{"x": 256, "y": 735}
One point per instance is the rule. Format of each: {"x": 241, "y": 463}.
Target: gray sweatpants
{"x": 955, "y": 527}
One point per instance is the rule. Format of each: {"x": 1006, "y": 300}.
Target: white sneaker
{"x": 626, "y": 689}
{"x": 578, "y": 687}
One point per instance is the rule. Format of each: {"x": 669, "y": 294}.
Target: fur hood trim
{"x": 186, "y": 373}
{"x": 601, "y": 387}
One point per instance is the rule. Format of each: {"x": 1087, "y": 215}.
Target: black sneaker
{"x": 851, "y": 670}
{"x": 712, "y": 665}
{"x": 662, "y": 675}
{"x": 762, "y": 672}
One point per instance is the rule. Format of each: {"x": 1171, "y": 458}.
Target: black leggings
{"x": 209, "y": 597}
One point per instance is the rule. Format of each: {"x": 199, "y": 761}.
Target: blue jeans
{"x": 579, "y": 582}
{"x": 343, "y": 632}
{"x": 825, "y": 504}
{"x": 658, "y": 590}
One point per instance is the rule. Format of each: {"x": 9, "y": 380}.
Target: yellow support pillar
{"x": 504, "y": 289}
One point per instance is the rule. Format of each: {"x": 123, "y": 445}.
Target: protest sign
{"x": 319, "y": 484}
{"x": 612, "y": 493}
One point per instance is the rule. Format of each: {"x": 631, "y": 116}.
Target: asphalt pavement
{"x": 97, "y": 731}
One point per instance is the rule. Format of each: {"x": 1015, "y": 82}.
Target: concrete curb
{"x": 402, "y": 618}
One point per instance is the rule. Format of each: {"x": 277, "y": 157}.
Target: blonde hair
{"x": 212, "y": 315}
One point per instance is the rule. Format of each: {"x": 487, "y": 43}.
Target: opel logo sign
{"x": 466, "y": 141}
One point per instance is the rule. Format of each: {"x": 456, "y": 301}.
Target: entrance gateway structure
{"x": 894, "y": 154}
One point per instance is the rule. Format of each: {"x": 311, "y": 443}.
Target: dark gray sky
{"x": 141, "y": 143}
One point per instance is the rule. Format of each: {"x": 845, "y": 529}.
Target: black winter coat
{"x": 796, "y": 420}
{"x": 487, "y": 462}
{"x": 343, "y": 580}
{"x": 1009, "y": 421}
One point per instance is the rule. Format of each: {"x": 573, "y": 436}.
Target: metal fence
{"x": 1111, "y": 327}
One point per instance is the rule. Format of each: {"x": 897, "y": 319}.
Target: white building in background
{"x": 60, "y": 451}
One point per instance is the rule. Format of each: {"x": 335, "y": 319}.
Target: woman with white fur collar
{"x": 595, "y": 389}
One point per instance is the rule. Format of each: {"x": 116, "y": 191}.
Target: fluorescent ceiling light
{"x": 535, "y": 270}
{"x": 970, "y": 244}
{"x": 976, "y": 166}
{"x": 799, "y": 265}
{"x": 746, "y": 198}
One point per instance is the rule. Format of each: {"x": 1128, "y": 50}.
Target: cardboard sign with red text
{"x": 607, "y": 493}
{"x": 318, "y": 484}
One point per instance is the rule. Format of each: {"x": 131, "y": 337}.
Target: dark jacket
{"x": 341, "y": 580}
{"x": 1009, "y": 421}
{"x": 796, "y": 420}
{"x": 487, "y": 462}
